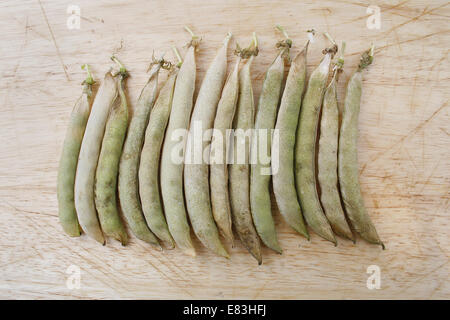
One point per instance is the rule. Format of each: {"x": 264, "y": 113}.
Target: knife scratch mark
{"x": 378, "y": 49}
{"x": 402, "y": 139}
{"x": 54, "y": 41}
{"x": 174, "y": 281}
{"x": 424, "y": 13}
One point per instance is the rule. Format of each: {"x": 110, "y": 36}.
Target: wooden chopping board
{"x": 404, "y": 148}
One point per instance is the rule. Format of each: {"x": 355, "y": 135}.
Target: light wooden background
{"x": 404, "y": 148}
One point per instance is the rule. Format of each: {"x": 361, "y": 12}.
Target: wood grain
{"x": 404, "y": 148}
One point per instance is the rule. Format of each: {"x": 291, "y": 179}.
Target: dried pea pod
{"x": 306, "y": 149}
{"x": 327, "y": 156}
{"x": 150, "y": 162}
{"x": 108, "y": 164}
{"x": 173, "y": 152}
{"x": 88, "y": 158}
{"x": 348, "y": 156}
{"x": 262, "y": 144}
{"x": 218, "y": 177}
{"x": 69, "y": 158}
{"x": 240, "y": 172}
{"x": 128, "y": 185}
{"x": 287, "y": 122}
{"x": 196, "y": 182}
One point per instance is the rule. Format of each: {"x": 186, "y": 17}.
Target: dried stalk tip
{"x": 284, "y": 45}
{"x": 228, "y": 37}
{"x": 311, "y": 33}
{"x": 366, "y": 58}
{"x": 286, "y": 42}
{"x": 164, "y": 64}
{"x": 88, "y": 82}
{"x": 333, "y": 49}
{"x": 177, "y": 54}
{"x": 122, "y": 70}
{"x": 339, "y": 65}
{"x": 89, "y": 79}
{"x": 195, "y": 40}
{"x": 246, "y": 53}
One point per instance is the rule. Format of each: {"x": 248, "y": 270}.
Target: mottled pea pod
{"x": 262, "y": 146}
{"x": 173, "y": 152}
{"x": 128, "y": 185}
{"x": 348, "y": 156}
{"x": 69, "y": 159}
{"x": 305, "y": 151}
{"x": 88, "y": 158}
{"x": 327, "y": 157}
{"x": 220, "y": 144}
{"x": 239, "y": 170}
{"x": 196, "y": 169}
{"x": 283, "y": 148}
{"x": 150, "y": 163}
{"x": 108, "y": 165}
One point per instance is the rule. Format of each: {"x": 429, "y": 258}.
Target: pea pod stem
{"x": 284, "y": 45}
{"x": 348, "y": 156}
{"x": 161, "y": 62}
{"x": 195, "y": 40}
{"x": 366, "y": 58}
{"x": 250, "y": 51}
{"x": 122, "y": 69}
{"x": 89, "y": 79}
{"x": 311, "y": 34}
{"x": 69, "y": 158}
{"x": 340, "y": 62}
{"x": 327, "y": 35}
{"x": 177, "y": 54}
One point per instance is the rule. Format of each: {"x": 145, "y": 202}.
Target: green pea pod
{"x": 348, "y": 157}
{"x": 306, "y": 151}
{"x": 196, "y": 174}
{"x": 108, "y": 166}
{"x": 327, "y": 157}
{"x": 69, "y": 159}
{"x": 218, "y": 177}
{"x": 149, "y": 164}
{"x": 172, "y": 169}
{"x": 240, "y": 171}
{"x": 88, "y": 158}
{"x": 260, "y": 173}
{"x": 128, "y": 185}
{"x": 283, "y": 148}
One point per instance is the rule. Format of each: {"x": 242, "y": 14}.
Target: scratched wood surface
{"x": 404, "y": 148}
